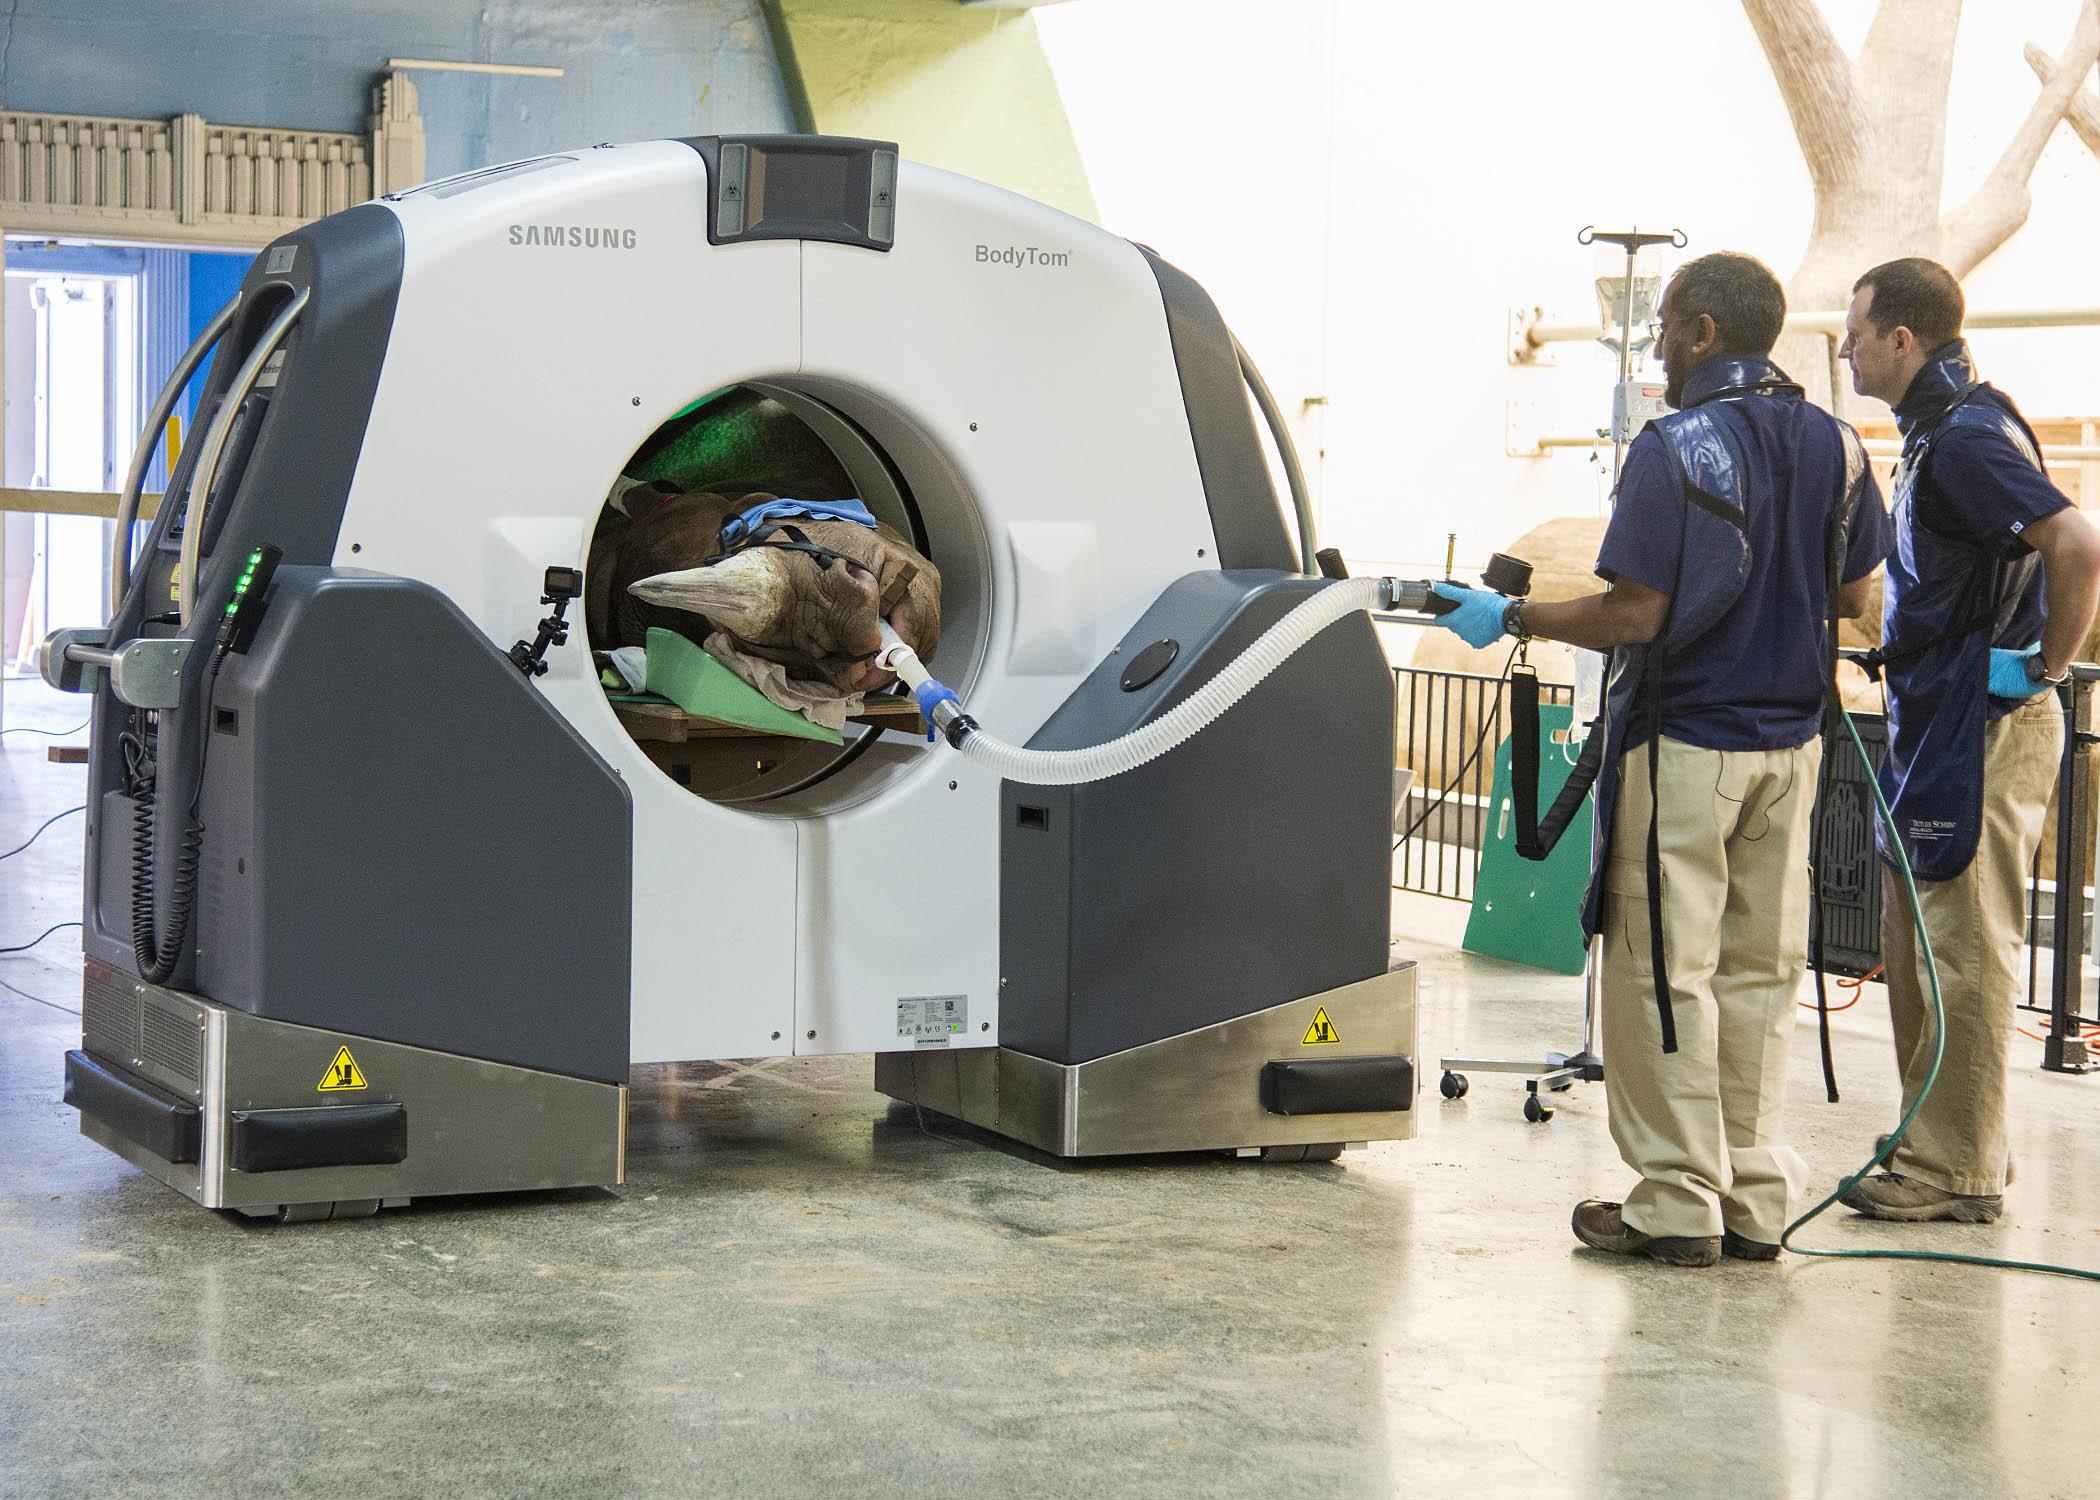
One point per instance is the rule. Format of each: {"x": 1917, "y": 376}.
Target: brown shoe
{"x": 1882, "y": 1140}
{"x": 1598, "y": 1225}
{"x": 1905, "y": 1200}
{"x": 1742, "y": 1247}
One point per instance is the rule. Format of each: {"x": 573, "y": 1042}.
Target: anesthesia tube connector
{"x": 946, "y": 715}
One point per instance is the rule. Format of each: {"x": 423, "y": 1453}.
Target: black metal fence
{"x": 2068, "y": 901}
{"x": 1451, "y": 724}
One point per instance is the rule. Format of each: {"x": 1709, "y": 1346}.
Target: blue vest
{"x": 1712, "y": 569}
{"x": 1947, "y": 599}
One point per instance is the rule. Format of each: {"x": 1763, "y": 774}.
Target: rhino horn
{"x": 746, "y": 595}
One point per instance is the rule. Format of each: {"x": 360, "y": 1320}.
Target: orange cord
{"x": 2086, "y": 1029}
{"x": 1853, "y": 985}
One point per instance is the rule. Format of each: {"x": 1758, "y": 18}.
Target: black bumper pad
{"x": 1338, "y": 1085}
{"x": 330, "y": 1135}
{"x": 169, "y": 1127}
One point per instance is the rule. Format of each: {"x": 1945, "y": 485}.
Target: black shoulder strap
{"x": 1536, "y": 836}
{"x": 1524, "y": 760}
{"x": 1651, "y": 688}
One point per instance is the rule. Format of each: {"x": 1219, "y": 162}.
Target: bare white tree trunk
{"x": 2084, "y": 110}
{"x": 1873, "y": 134}
{"x": 2000, "y": 205}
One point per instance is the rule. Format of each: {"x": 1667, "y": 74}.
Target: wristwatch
{"x": 2037, "y": 669}
{"x": 1513, "y": 620}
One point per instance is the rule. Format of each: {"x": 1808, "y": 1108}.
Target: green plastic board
{"x": 697, "y": 683}
{"x": 1530, "y": 911}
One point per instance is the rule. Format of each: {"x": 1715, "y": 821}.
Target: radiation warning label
{"x": 1321, "y": 1032}
{"x": 344, "y": 1076}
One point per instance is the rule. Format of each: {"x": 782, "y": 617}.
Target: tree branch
{"x": 1999, "y": 206}
{"x": 2084, "y": 109}
{"x": 1819, "y": 86}
{"x": 1905, "y": 65}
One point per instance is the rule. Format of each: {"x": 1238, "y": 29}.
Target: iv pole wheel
{"x": 1453, "y": 1085}
{"x": 1536, "y": 1110}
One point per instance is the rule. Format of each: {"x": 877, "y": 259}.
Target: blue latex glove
{"x": 1478, "y": 619}
{"x": 2009, "y": 677}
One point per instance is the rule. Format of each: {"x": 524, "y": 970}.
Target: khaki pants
{"x": 1701, "y": 1124}
{"x": 1976, "y": 922}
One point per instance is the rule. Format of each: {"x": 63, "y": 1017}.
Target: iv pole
{"x": 1558, "y": 1071}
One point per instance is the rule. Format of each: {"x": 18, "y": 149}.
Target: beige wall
{"x": 1365, "y": 186}
{"x": 965, "y": 89}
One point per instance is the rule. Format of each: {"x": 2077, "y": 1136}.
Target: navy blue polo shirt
{"x": 1755, "y": 680}
{"x": 1981, "y": 489}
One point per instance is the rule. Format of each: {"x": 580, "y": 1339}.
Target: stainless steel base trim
{"x": 1199, "y": 1091}
{"x": 473, "y": 1126}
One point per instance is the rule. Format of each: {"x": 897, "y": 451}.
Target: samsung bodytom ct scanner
{"x": 371, "y": 913}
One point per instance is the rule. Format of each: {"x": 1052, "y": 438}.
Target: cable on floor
{"x": 10, "y": 854}
{"x": 25, "y": 947}
{"x": 56, "y": 734}
{"x": 38, "y": 999}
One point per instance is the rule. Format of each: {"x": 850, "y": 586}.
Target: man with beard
{"x": 1744, "y": 522}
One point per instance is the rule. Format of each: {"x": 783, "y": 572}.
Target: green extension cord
{"x": 1939, "y": 1041}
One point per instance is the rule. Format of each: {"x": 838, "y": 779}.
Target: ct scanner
{"x": 431, "y": 908}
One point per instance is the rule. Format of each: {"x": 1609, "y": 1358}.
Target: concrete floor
{"x": 800, "y": 1292}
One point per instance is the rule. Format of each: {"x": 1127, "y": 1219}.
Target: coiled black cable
{"x": 157, "y": 955}
{"x": 157, "y": 960}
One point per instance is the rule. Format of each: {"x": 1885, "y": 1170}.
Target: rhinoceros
{"x": 821, "y": 621}
{"x": 727, "y": 454}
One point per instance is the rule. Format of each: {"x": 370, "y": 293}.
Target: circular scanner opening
{"x": 743, "y": 443}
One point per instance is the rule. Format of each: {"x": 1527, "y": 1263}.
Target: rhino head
{"x": 820, "y": 620}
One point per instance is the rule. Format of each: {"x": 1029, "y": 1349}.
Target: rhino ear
{"x": 746, "y": 595}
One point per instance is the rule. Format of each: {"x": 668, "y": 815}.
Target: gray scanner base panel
{"x": 1199, "y": 1091}
{"x": 472, "y": 1126}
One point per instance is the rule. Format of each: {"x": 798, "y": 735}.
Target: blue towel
{"x": 736, "y": 528}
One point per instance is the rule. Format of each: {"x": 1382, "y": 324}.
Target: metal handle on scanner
{"x": 207, "y": 471}
{"x": 149, "y": 444}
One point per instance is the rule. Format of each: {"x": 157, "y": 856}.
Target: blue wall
{"x": 636, "y": 68}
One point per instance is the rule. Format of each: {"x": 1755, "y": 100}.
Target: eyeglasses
{"x": 1655, "y": 331}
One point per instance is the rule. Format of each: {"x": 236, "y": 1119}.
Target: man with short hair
{"x": 1991, "y": 590}
{"x": 1743, "y": 522}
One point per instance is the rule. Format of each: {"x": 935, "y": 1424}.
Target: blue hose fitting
{"x": 931, "y": 695}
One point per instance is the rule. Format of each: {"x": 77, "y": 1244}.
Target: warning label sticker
{"x": 343, "y": 1075}
{"x": 930, "y": 1020}
{"x": 1321, "y": 1032}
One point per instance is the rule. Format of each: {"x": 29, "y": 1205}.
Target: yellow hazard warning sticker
{"x": 1321, "y": 1032}
{"x": 344, "y": 1076}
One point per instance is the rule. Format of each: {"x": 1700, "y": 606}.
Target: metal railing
{"x": 1530, "y": 333}
{"x": 2070, "y": 901}
{"x": 1450, "y": 726}
{"x": 1534, "y": 334}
